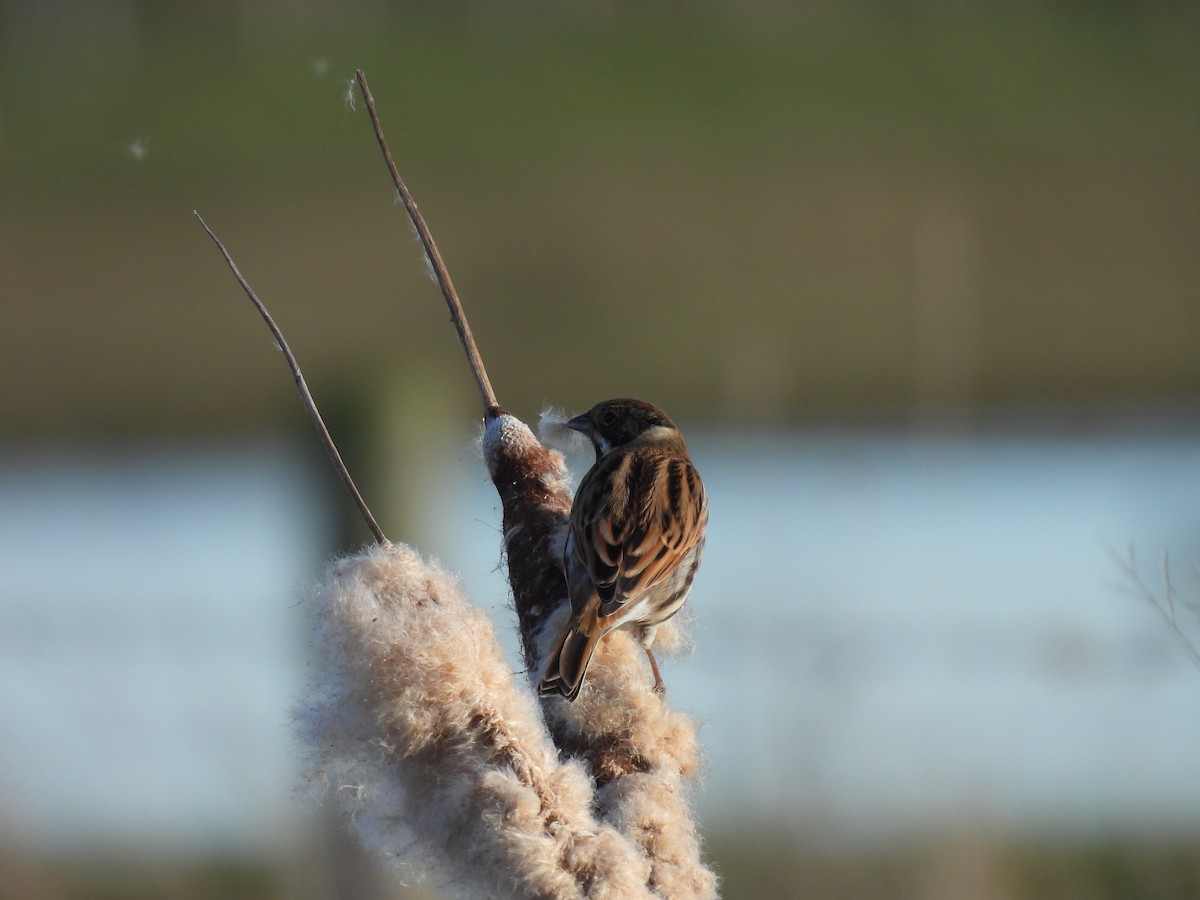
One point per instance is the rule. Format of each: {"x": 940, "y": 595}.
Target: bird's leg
{"x": 659, "y": 687}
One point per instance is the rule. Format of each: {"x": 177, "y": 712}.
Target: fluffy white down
{"x": 439, "y": 759}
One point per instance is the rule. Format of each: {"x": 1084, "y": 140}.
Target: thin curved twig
{"x": 305, "y": 395}
{"x": 1164, "y": 607}
{"x": 486, "y": 394}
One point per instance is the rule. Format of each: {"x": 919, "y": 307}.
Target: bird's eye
{"x": 609, "y": 417}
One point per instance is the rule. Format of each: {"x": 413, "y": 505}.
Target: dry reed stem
{"x": 432, "y": 254}
{"x": 310, "y": 405}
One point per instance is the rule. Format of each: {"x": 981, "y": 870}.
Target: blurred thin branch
{"x": 1167, "y": 602}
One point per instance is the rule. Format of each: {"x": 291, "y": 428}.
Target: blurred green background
{"x": 761, "y": 215}
{"x": 763, "y": 212}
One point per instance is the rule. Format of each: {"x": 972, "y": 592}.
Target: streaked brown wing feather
{"x": 597, "y": 535}
{"x": 635, "y": 517}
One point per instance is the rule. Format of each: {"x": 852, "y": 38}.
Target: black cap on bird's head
{"x": 615, "y": 423}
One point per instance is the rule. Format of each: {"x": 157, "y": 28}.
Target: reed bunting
{"x": 635, "y": 537}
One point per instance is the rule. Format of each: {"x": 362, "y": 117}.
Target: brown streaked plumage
{"x": 635, "y": 538}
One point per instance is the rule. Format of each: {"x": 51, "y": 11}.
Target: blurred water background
{"x": 918, "y": 281}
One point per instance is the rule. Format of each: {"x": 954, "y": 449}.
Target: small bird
{"x": 635, "y": 537}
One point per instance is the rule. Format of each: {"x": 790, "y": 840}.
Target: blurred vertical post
{"x": 945, "y": 311}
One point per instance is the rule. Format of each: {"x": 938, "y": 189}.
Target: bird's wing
{"x": 635, "y": 518}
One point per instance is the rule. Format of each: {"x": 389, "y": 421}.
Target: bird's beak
{"x": 583, "y": 424}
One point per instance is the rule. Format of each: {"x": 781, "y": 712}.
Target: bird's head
{"x": 614, "y": 423}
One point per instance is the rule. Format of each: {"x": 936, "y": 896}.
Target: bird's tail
{"x": 569, "y": 660}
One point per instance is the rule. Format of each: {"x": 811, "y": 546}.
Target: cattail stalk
{"x": 638, "y": 751}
